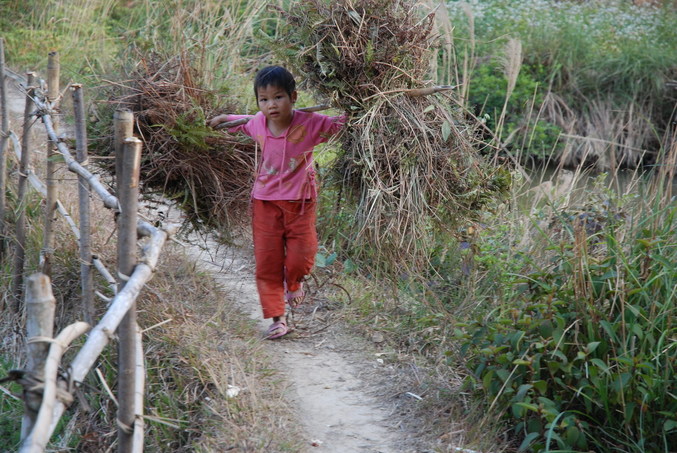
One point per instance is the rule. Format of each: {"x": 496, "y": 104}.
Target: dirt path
{"x": 331, "y": 384}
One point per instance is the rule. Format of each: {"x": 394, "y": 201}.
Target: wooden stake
{"x": 20, "y": 246}
{"x": 128, "y": 192}
{"x": 40, "y": 306}
{"x": 123, "y": 124}
{"x": 83, "y": 197}
{"x": 53, "y": 71}
{"x": 139, "y": 385}
{"x": 4, "y": 135}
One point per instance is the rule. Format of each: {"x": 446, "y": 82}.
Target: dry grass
{"x": 209, "y": 172}
{"x": 409, "y": 164}
{"x": 603, "y": 136}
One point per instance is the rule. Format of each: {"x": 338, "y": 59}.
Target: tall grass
{"x": 616, "y": 54}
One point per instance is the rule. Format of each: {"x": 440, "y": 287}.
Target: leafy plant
{"x": 584, "y": 356}
{"x": 532, "y": 137}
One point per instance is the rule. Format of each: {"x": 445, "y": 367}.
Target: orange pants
{"x": 285, "y": 244}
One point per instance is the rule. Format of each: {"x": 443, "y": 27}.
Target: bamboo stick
{"x": 4, "y": 135}
{"x": 109, "y": 200}
{"x": 86, "y": 282}
{"x": 40, "y": 306}
{"x": 101, "y": 334}
{"x": 123, "y": 125}
{"x": 36, "y": 442}
{"x": 314, "y": 108}
{"x": 53, "y": 71}
{"x": 128, "y": 192}
{"x": 139, "y": 384}
{"x": 20, "y": 245}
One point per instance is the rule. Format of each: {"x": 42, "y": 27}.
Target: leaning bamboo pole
{"x": 36, "y": 442}
{"x": 86, "y": 281}
{"x": 107, "y": 198}
{"x": 128, "y": 193}
{"x": 40, "y": 307}
{"x": 53, "y": 73}
{"x": 4, "y": 135}
{"x": 24, "y": 162}
{"x": 101, "y": 334}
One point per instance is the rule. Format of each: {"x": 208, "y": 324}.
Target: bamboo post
{"x": 139, "y": 385}
{"x": 83, "y": 198}
{"x": 53, "y": 71}
{"x": 4, "y": 135}
{"x": 128, "y": 191}
{"x": 123, "y": 124}
{"x": 40, "y": 306}
{"x": 19, "y": 248}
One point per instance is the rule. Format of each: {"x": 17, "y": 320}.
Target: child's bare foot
{"x": 278, "y": 328}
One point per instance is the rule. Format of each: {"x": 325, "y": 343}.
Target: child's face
{"x": 276, "y": 104}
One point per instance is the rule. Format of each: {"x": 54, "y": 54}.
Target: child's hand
{"x": 218, "y": 120}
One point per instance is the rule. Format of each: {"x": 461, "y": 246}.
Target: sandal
{"x": 276, "y": 330}
{"x": 294, "y": 298}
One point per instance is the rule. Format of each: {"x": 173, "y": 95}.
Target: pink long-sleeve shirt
{"x": 286, "y": 171}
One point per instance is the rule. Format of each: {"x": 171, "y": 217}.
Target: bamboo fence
{"x": 46, "y": 392}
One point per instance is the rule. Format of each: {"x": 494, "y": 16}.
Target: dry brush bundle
{"x": 409, "y": 161}
{"x": 210, "y": 170}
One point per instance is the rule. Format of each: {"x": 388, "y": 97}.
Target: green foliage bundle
{"x": 408, "y": 164}
{"x": 584, "y": 355}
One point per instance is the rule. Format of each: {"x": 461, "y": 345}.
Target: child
{"x": 285, "y": 192}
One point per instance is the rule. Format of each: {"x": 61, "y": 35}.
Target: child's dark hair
{"x": 275, "y": 76}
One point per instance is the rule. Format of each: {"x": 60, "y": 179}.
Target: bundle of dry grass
{"x": 408, "y": 161}
{"x": 211, "y": 172}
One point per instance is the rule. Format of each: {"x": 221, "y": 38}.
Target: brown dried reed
{"x": 210, "y": 170}
{"x": 409, "y": 163}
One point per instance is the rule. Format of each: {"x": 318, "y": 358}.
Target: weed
{"x": 579, "y": 356}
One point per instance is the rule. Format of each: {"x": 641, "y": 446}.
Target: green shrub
{"x": 534, "y": 138}
{"x": 584, "y": 356}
